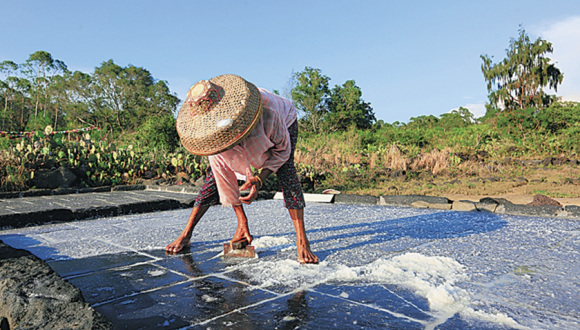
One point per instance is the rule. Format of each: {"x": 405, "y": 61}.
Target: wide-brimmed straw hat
{"x": 218, "y": 114}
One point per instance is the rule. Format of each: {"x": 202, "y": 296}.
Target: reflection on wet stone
{"x": 117, "y": 283}
{"x": 192, "y": 264}
{"x": 194, "y": 302}
{"x": 71, "y": 267}
{"x": 310, "y": 310}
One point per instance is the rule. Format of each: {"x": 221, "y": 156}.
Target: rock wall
{"x": 33, "y": 296}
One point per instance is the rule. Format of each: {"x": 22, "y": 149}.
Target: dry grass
{"x": 354, "y": 169}
{"x": 394, "y": 159}
{"x": 551, "y": 181}
{"x": 435, "y": 161}
{"x": 327, "y": 152}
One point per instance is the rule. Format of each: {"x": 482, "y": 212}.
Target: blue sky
{"x": 410, "y": 58}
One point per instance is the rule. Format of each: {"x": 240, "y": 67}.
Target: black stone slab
{"x": 311, "y": 310}
{"x": 407, "y": 200}
{"x": 181, "y": 305}
{"x": 75, "y": 267}
{"x": 388, "y": 297}
{"x": 117, "y": 283}
{"x": 356, "y": 199}
{"x": 194, "y": 264}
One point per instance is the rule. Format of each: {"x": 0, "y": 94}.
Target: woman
{"x": 238, "y": 125}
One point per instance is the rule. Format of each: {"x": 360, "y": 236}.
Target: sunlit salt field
{"x": 381, "y": 267}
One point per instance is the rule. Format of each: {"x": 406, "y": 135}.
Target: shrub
{"x": 159, "y": 133}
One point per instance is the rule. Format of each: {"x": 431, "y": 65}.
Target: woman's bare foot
{"x": 177, "y": 245}
{"x": 183, "y": 240}
{"x": 305, "y": 255}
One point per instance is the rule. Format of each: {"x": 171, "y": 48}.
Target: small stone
{"x": 463, "y": 206}
{"x": 486, "y": 207}
{"x": 573, "y": 181}
{"x": 540, "y": 200}
{"x": 426, "y": 205}
{"x": 200, "y": 182}
{"x": 521, "y": 181}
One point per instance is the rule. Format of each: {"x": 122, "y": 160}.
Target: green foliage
{"x": 159, "y": 133}
{"x": 43, "y": 91}
{"x": 346, "y": 108}
{"x": 329, "y": 110}
{"x": 37, "y": 123}
{"x": 355, "y": 158}
{"x": 95, "y": 162}
{"x": 461, "y": 117}
{"x": 517, "y": 81}
{"x": 309, "y": 95}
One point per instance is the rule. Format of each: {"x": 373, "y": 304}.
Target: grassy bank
{"x": 526, "y": 151}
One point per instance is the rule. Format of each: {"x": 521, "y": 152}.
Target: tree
{"x": 461, "y": 117}
{"x": 159, "y": 133}
{"x": 8, "y": 90}
{"x": 517, "y": 82}
{"x": 80, "y": 100}
{"x": 347, "y": 108}
{"x": 423, "y": 122}
{"x": 121, "y": 99}
{"x": 309, "y": 95}
{"x": 41, "y": 68}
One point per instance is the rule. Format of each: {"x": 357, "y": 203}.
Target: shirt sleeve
{"x": 278, "y": 134}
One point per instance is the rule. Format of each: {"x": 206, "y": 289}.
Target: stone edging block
{"x": 178, "y": 189}
{"x": 19, "y": 220}
{"x": 427, "y": 205}
{"x": 527, "y": 210}
{"x": 407, "y": 200}
{"x": 464, "y": 206}
{"x": 487, "y": 204}
{"x": 356, "y": 199}
{"x": 572, "y": 211}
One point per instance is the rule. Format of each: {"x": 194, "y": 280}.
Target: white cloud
{"x": 478, "y": 110}
{"x": 565, "y": 39}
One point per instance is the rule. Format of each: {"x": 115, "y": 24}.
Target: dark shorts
{"x": 287, "y": 177}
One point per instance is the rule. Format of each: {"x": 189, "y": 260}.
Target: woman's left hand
{"x": 254, "y": 184}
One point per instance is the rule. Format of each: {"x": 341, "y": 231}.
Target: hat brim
{"x": 240, "y": 106}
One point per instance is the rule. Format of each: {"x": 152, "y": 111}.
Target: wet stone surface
{"x": 381, "y": 267}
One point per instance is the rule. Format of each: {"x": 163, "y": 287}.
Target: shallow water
{"x": 380, "y": 267}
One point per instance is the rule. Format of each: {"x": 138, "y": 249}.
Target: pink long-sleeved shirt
{"x": 267, "y": 146}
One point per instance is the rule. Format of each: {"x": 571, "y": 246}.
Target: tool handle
{"x": 239, "y": 245}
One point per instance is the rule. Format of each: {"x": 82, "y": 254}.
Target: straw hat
{"x": 218, "y": 114}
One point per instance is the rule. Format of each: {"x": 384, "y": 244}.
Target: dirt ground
{"x": 514, "y": 198}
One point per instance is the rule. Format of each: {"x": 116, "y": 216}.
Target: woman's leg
{"x": 207, "y": 196}
{"x": 294, "y": 200}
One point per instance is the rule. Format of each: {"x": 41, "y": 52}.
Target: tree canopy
{"x": 309, "y": 95}
{"x": 518, "y": 81}
{"x": 42, "y": 91}
{"x": 325, "y": 109}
